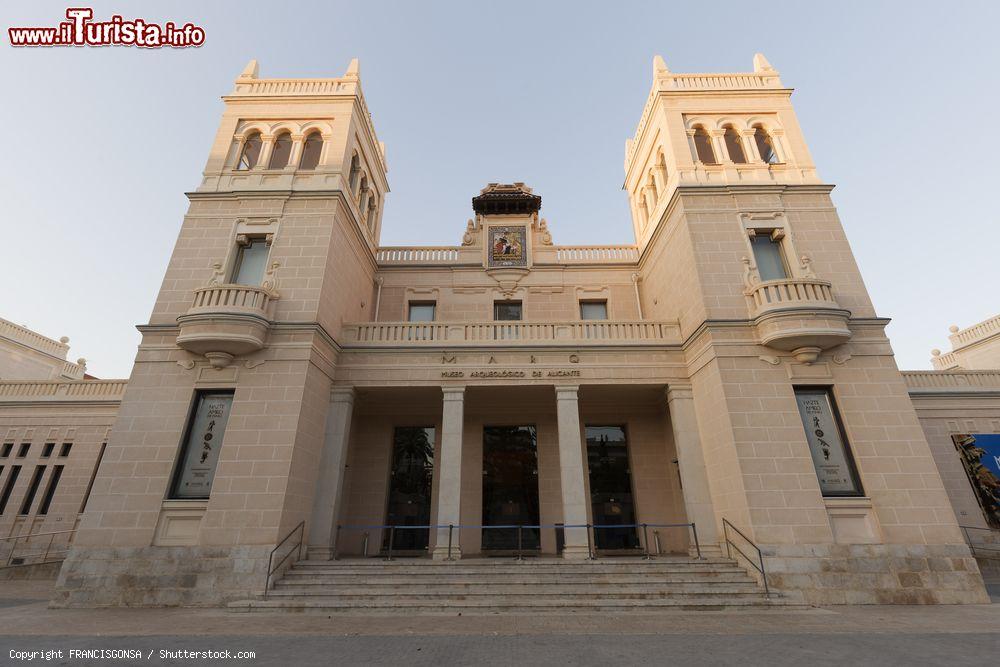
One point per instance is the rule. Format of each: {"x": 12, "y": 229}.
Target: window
{"x": 703, "y": 146}
{"x": 593, "y": 310}
{"x": 7, "y": 447}
{"x": 202, "y": 441}
{"x": 363, "y": 194}
{"x": 355, "y": 172}
{"x": 827, "y": 441}
{"x": 251, "y": 152}
{"x": 372, "y": 206}
{"x": 410, "y": 482}
{"x": 507, "y": 310}
{"x": 735, "y": 146}
{"x": 422, "y": 311}
{"x": 22, "y": 451}
{"x": 47, "y": 449}
{"x": 29, "y": 497}
{"x": 50, "y": 490}
{"x": 281, "y": 151}
{"x": 765, "y": 145}
{"x": 250, "y": 262}
{"x": 311, "y": 151}
{"x": 15, "y": 471}
{"x": 767, "y": 254}
{"x": 64, "y": 450}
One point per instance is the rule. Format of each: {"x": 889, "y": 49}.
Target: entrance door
{"x": 611, "y": 497}
{"x": 410, "y": 488}
{"x": 510, "y": 487}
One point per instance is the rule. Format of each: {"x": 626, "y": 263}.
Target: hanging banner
{"x": 201, "y": 450}
{"x": 980, "y": 454}
{"x": 829, "y": 453}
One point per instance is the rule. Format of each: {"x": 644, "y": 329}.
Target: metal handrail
{"x": 990, "y": 549}
{"x": 271, "y": 569}
{"x": 48, "y": 548}
{"x": 518, "y": 553}
{"x": 726, "y": 525}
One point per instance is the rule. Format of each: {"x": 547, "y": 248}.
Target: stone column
{"x": 691, "y": 464}
{"x": 449, "y": 472}
{"x": 330, "y": 482}
{"x": 572, "y": 471}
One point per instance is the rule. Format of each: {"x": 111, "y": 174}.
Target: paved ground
{"x": 851, "y": 636}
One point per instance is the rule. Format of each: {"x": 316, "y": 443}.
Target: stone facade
{"x": 686, "y": 341}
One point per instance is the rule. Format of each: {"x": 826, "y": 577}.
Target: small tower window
{"x": 311, "y": 151}
{"x": 735, "y": 146}
{"x": 281, "y": 152}
{"x": 703, "y": 146}
{"x": 250, "y": 262}
{"x": 765, "y": 145}
{"x": 767, "y": 253}
{"x": 355, "y": 172}
{"x": 251, "y": 152}
{"x": 372, "y": 206}
{"x": 363, "y": 193}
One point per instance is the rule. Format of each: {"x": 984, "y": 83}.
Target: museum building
{"x": 303, "y": 393}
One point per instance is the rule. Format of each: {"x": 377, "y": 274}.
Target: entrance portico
{"x": 550, "y": 458}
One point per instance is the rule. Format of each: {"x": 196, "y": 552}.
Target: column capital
{"x": 567, "y": 391}
{"x": 679, "y": 391}
{"x": 453, "y": 393}
{"x": 342, "y": 394}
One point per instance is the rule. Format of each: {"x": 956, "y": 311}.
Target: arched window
{"x": 372, "y": 206}
{"x": 251, "y": 152}
{"x": 362, "y": 193}
{"x": 735, "y": 146}
{"x": 703, "y": 145}
{"x": 311, "y": 151}
{"x": 765, "y": 145}
{"x": 281, "y": 151}
{"x": 355, "y": 172}
{"x": 654, "y": 195}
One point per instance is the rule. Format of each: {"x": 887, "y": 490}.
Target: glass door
{"x": 510, "y": 487}
{"x": 611, "y": 497}
{"x": 409, "y": 502}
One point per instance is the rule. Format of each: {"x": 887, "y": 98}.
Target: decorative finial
{"x": 953, "y": 328}
{"x": 64, "y": 340}
{"x": 659, "y": 67}
{"x": 760, "y": 64}
{"x": 250, "y": 71}
{"x": 353, "y": 70}
{"x": 935, "y": 352}
{"x": 82, "y": 363}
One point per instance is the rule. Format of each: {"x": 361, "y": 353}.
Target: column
{"x": 572, "y": 471}
{"x": 265, "y": 151}
{"x": 691, "y": 464}
{"x": 449, "y": 472}
{"x": 330, "y": 482}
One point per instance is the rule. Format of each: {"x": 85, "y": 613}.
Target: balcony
{"x": 798, "y": 315}
{"x": 486, "y": 334}
{"x": 226, "y": 321}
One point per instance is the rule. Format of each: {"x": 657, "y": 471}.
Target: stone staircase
{"x": 535, "y": 585}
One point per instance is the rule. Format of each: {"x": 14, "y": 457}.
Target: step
{"x": 515, "y": 590}
{"x": 301, "y": 578}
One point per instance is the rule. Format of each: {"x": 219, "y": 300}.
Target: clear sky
{"x": 898, "y": 102}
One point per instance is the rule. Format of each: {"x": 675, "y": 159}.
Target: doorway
{"x": 611, "y": 499}
{"x": 510, "y": 487}
{"x": 409, "y": 502}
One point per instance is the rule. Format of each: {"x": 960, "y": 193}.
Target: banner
{"x": 201, "y": 450}
{"x": 980, "y": 454}
{"x": 829, "y": 453}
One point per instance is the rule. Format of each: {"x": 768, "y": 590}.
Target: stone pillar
{"x": 572, "y": 471}
{"x": 691, "y": 464}
{"x": 330, "y": 482}
{"x": 449, "y": 472}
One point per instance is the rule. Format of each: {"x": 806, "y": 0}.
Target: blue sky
{"x": 897, "y": 101}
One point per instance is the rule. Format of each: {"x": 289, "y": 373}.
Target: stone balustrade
{"x": 81, "y": 390}
{"x": 236, "y": 299}
{"x": 923, "y": 381}
{"x": 29, "y": 338}
{"x": 790, "y": 293}
{"x": 226, "y": 321}
{"x": 417, "y": 255}
{"x": 975, "y": 333}
{"x": 496, "y": 333}
{"x": 798, "y": 315}
{"x": 597, "y": 254}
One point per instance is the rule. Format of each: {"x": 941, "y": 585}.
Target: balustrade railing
{"x": 417, "y": 255}
{"x": 494, "y": 332}
{"x": 975, "y": 333}
{"x": 957, "y": 380}
{"x": 601, "y": 254}
{"x": 76, "y": 389}
{"x": 790, "y": 293}
{"x": 231, "y": 298}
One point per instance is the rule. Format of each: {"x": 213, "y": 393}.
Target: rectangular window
{"x": 202, "y": 442}
{"x": 29, "y": 497}
{"x": 22, "y": 451}
{"x": 8, "y": 487}
{"x": 507, "y": 310}
{"x": 50, "y": 490}
{"x": 421, "y": 311}
{"x": 64, "y": 450}
{"x": 768, "y": 257}
{"x": 250, "y": 263}
{"x": 7, "y": 447}
{"x": 831, "y": 453}
{"x": 47, "y": 449}
{"x": 593, "y": 310}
